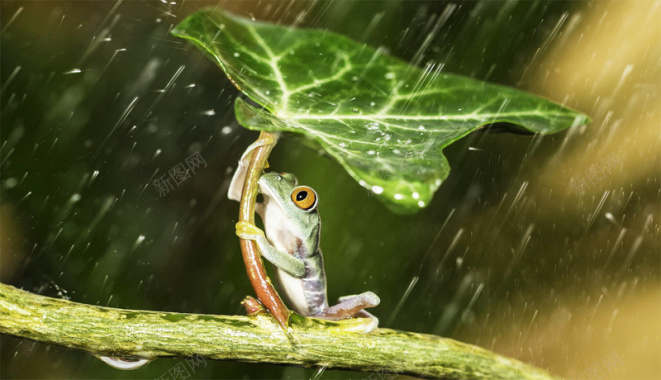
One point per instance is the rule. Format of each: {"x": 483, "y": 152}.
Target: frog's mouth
{"x": 269, "y": 191}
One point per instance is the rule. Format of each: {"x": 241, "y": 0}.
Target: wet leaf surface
{"x": 384, "y": 120}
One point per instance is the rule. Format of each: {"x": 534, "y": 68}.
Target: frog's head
{"x": 297, "y": 203}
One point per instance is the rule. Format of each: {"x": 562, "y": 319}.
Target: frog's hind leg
{"x": 351, "y": 306}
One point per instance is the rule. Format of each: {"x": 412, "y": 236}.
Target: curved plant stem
{"x": 105, "y": 331}
{"x": 251, "y": 255}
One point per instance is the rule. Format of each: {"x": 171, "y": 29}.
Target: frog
{"x": 291, "y": 243}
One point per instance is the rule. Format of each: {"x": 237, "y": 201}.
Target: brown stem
{"x": 251, "y": 255}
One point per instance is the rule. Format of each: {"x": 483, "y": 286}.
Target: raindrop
{"x": 74, "y": 71}
{"x": 399, "y": 196}
{"x": 611, "y": 218}
{"x": 210, "y": 112}
{"x": 121, "y": 363}
{"x": 139, "y": 241}
{"x": 236, "y": 54}
{"x": 10, "y": 183}
{"x": 226, "y": 130}
{"x": 377, "y": 189}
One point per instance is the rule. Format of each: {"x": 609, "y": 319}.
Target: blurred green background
{"x": 98, "y": 100}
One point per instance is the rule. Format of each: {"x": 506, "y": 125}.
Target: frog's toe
{"x": 368, "y": 299}
{"x": 246, "y": 236}
{"x": 372, "y": 299}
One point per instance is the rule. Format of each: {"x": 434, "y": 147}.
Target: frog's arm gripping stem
{"x": 282, "y": 260}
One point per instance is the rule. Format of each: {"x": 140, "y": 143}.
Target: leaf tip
{"x": 581, "y": 119}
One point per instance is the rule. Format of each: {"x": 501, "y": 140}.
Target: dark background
{"x": 98, "y": 100}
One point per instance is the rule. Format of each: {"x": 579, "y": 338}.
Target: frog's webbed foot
{"x": 353, "y": 306}
{"x": 236, "y": 186}
{"x": 249, "y": 231}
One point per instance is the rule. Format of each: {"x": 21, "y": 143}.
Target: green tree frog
{"x": 291, "y": 244}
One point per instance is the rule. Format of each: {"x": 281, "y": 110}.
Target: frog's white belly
{"x": 307, "y": 295}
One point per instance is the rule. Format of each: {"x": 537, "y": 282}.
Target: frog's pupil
{"x": 301, "y": 195}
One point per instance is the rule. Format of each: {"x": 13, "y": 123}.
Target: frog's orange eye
{"x": 304, "y": 197}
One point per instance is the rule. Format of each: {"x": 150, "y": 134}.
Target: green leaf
{"x": 384, "y": 120}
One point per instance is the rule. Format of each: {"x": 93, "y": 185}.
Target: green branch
{"x": 258, "y": 338}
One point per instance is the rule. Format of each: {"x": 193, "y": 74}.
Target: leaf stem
{"x": 252, "y": 258}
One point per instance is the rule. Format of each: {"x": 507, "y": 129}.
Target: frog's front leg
{"x": 239, "y": 177}
{"x": 283, "y": 260}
